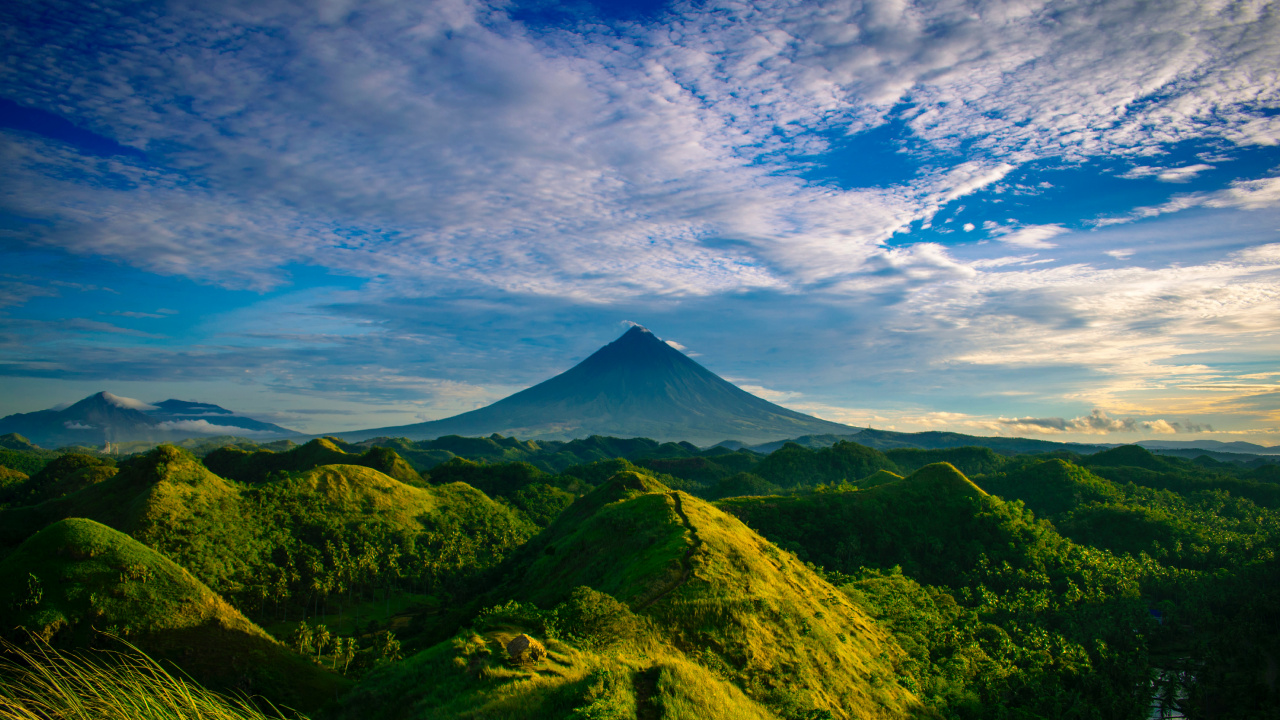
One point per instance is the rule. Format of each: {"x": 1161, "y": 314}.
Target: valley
{"x": 383, "y": 579}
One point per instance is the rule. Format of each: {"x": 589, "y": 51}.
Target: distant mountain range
{"x": 930, "y": 440}
{"x": 1215, "y": 445}
{"x": 106, "y": 418}
{"x": 937, "y": 440}
{"x": 636, "y": 386}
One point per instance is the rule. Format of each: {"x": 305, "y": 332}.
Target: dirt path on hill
{"x": 686, "y": 566}
{"x": 646, "y": 687}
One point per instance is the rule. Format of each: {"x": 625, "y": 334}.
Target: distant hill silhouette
{"x": 929, "y": 440}
{"x": 103, "y": 418}
{"x": 636, "y": 386}
{"x": 1217, "y": 445}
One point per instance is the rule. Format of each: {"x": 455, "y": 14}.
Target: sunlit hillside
{"x": 666, "y": 581}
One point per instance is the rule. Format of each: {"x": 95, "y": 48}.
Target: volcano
{"x": 636, "y": 386}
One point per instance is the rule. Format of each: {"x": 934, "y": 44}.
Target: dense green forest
{"x": 625, "y": 578}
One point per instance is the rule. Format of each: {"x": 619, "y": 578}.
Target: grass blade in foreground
{"x": 45, "y": 684}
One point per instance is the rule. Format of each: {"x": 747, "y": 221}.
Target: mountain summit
{"x": 103, "y": 417}
{"x": 636, "y": 386}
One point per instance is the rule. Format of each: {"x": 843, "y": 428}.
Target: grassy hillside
{"x": 746, "y": 610}
{"x": 1135, "y": 464}
{"x": 254, "y": 466}
{"x": 1020, "y": 585}
{"x": 931, "y": 523}
{"x": 165, "y": 499}
{"x": 1032, "y": 586}
{"x": 1050, "y": 487}
{"x": 473, "y": 676}
{"x": 968, "y": 460}
{"x": 651, "y": 603}
{"x": 61, "y": 476}
{"x": 793, "y": 465}
{"x": 77, "y": 576}
{"x": 336, "y": 532}
{"x": 1203, "y": 527}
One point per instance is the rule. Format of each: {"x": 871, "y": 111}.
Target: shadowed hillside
{"x": 997, "y": 583}
{"x": 77, "y": 577}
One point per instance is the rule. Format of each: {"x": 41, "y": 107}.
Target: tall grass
{"x": 45, "y": 684}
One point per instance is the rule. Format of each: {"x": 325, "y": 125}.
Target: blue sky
{"x": 1030, "y": 218}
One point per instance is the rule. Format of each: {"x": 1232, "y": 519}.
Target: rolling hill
{"x": 77, "y": 576}
{"x": 664, "y": 604}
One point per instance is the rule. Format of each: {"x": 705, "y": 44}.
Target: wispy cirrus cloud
{"x": 1240, "y": 194}
{"x": 446, "y": 141}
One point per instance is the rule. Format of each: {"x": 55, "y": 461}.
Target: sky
{"x": 1045, "y": 219}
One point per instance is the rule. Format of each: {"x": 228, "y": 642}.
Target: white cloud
{"x": 208, "y": 428}
{"x": 127, "y": 403}
{"x": 1169, "y": 175}
{"x": 1034, "y": 237}
{"x": 1097, "y": 422}
{"x": 775, "y": 396}
{"x": 1259, "y": 131}
{"x": 433, "y": 147}
{"x": 1248, "y": 194}
{"x": 442, "y": 143}
{"x": 1256, "y": 194}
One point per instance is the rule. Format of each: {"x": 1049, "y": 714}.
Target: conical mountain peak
{"x": 636, "y": 386}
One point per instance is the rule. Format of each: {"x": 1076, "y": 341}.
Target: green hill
{"x": 340, "y": 531}
{"x": 1052, "y": 486}
{"x": 62, "y": 476}
{"x": 878, "y": 477}
{"x": 997, "y": 583}
{"x": 77, "y": 576}
{"x": 14, "y": 441}
{"x": 28, "y": 463}
{"x": 743, "y": 483}
{"x": 254, "y": 466}
{"x": 165, "y": 499}
{"x": 1128, "y": 456}
{"x": 934, "y": 523}
{"x": 968, "y": 460}
{"x": 651, "y": 603}
{"x": 10, "y": 483}
{"x": 753, "y": 612}
{"x": 1135, "y": 464}
{"x": 793, "y": 465}
{"x": 473, "y": 676}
